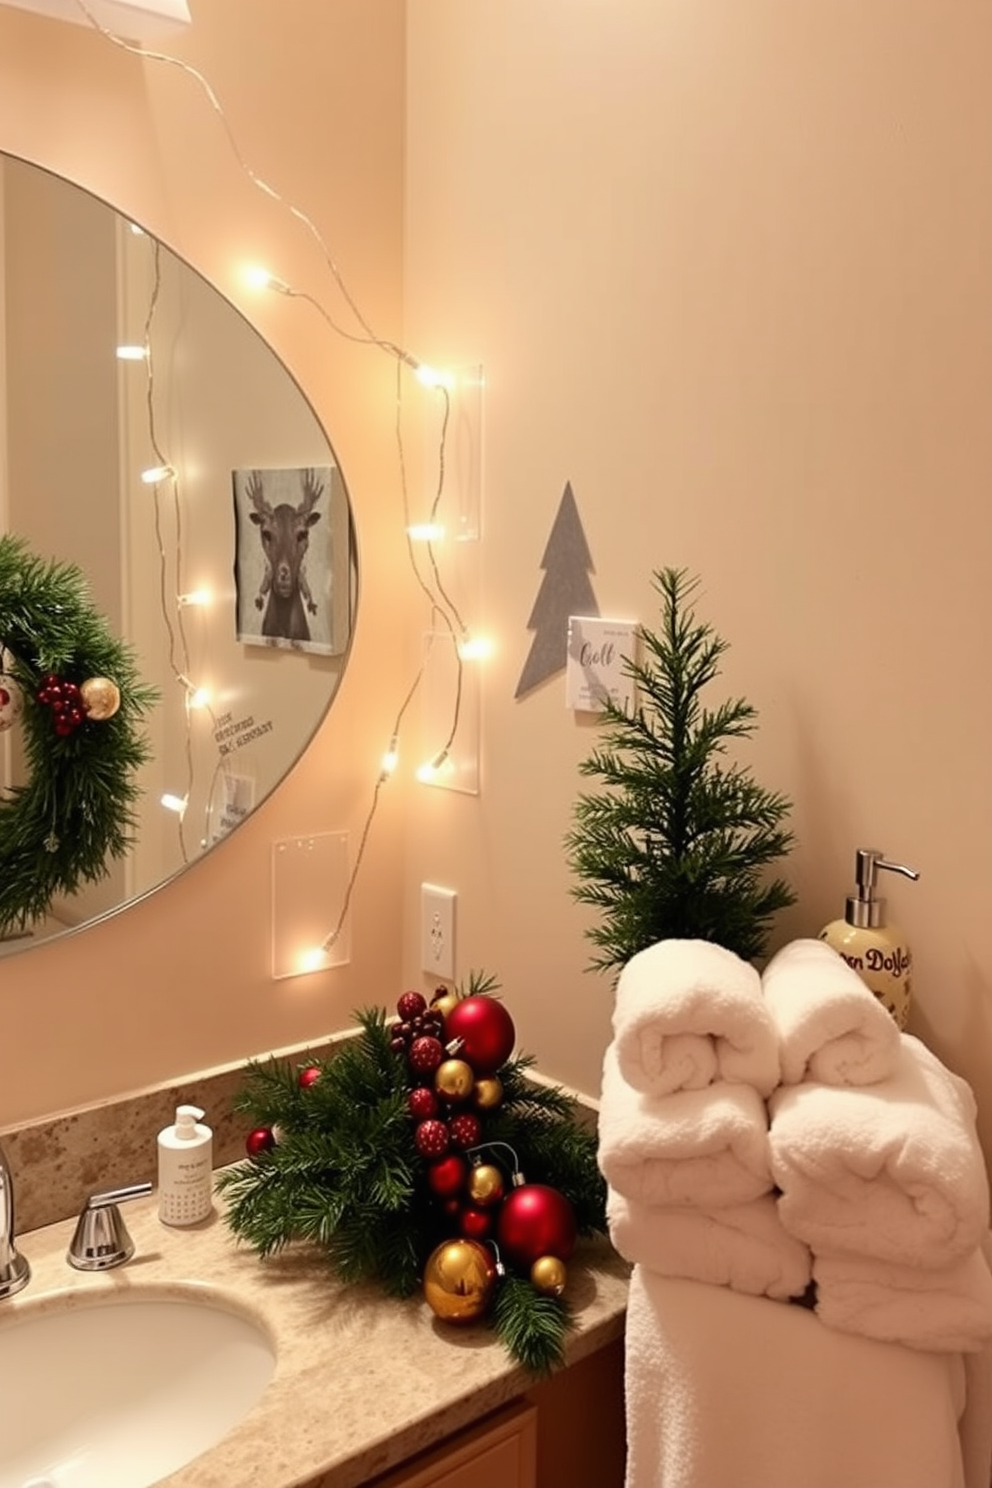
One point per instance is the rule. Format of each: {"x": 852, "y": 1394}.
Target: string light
{"x": 157, "y": 473}
{"x": 442, "y": 606}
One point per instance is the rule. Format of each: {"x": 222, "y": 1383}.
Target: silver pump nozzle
{"x": 864, "y": 907}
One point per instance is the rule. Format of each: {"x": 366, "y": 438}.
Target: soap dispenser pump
{"x": 876, "y": 949}
{"x": 185, "y": 1169}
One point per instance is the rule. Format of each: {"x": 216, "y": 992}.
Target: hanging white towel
{"x": 687, "y": 1013}
{"x": 728, "y": 1391}
{"x": 949, "y": 1309}
{"x": 831, "y": 1027}
{"x": 893, "y": 1171}
{"x": 742, "y": 1246}
{"x": 696, "y": 1147}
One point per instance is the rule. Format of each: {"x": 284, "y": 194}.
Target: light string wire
{"x": 440, "y": 602}
{"x": 181, "y": 666}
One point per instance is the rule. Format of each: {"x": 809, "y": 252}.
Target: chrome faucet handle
{"x": 101, "y": 1239}
{"x": 14, "y": 1269}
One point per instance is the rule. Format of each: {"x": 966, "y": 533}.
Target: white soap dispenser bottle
{"x": 185, "y": 1169}
{"x": 877, "y": 950}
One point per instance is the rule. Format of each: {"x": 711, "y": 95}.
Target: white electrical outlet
{"x": 437, "y": 930}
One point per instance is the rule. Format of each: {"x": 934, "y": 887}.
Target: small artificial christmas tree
{"x": 677, "y": 844}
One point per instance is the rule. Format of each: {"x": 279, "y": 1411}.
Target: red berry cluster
{"x": 65, "y": 701}
{"x": 418, "y": 1033}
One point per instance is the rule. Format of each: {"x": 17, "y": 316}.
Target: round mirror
{"x": 151, "y": 438}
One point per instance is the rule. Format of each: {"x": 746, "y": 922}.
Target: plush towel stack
{"x": 683, "y": 1127}
{"x": 875, "y": 1153}
{"x": 763, "y": 1133}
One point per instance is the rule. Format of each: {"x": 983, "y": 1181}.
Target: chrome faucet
{"x": 14, "y": 1269}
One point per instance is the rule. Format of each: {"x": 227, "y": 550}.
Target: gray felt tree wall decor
{"x": 566, "y": 589}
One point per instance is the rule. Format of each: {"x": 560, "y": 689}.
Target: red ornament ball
{"x": 411, "y": 1005}
{"x": 432, "y": 1140}
{"x": 425, "y": 1054}
{"x": 309, "y": 1076}
{"x": 422, "y": 1103}
{"x": 446, "y": 1177}
{"x": 484, "y": 1030}
{"x": 465, "y": 1130}
{"x": 262, "y": 1139}
{"x": 476, "y": 1224}
{"x": 535, "y": 1220}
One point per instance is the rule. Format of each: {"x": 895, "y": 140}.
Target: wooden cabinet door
{"x": 501, "y": 1452}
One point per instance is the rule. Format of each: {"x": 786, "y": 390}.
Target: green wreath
{"x": 77, "y": 810}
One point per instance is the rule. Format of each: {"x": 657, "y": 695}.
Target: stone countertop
{"x": 362, "y": 1382}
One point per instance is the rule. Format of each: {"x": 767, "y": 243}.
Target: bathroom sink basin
{"x": 118, "y": 1392}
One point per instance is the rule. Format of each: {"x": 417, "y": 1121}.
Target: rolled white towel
{"x": 831, "y": 1027}
{"x": 696, "y": 1147}
{"x": 948, "y": 1310}
{"x": 688, "y": 1013}
{"x": 893, "y": 1171}
{"x": 741, "y": 1246}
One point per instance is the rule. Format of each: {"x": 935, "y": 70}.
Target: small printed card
{"x": 594, "y": 668}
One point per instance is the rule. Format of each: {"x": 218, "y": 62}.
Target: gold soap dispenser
{"x": 878, "y": 951}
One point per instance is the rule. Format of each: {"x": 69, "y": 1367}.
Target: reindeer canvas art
{"x": 284, "y": 566}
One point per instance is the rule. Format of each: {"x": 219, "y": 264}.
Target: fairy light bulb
{"x": 199, "y": 697}
{"x": 428, "y": 772}
{"x": 426, "y": 532}
{"x": 258, "y": 277}
{"x": 196, "y": 597}
{"x": 430, "y": 377}
{"x": 391, "y": 758}
{"x": 132, "y": 353}
{"x": 475, "y": 648}
{"x": 156, "y": 473}
{"x": 174, "y": 803}
{"x": 312, "y": 959}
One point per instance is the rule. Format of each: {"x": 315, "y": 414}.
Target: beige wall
{"x": 727, "y": 269}
{"x": 181, "y": 981}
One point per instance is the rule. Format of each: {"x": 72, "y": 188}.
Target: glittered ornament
{"x": 465, "y": 1130}
{"x": 431, "y": 1139}
{"x": 262, "y": 1139}
{"x": 459, "y": 1280}
{"x": 11, "y": 702}
{"x": 480, "y": 1030}
{"x": 425, "y": 1054}
{"x": 411, "y": 1005}
{"x": 486, "y": 1185}
{"x": 422, "y": 1103}
{"x": 309, "y": 1076}
{"x": 446, "y": 1177}
{"x": 548, "y": 1276}
{"x": 488, "y": 1093}
{"x": 535, "y": 1220}
{"x": 454, "y": 1080}
{"x": 101, "y": 698}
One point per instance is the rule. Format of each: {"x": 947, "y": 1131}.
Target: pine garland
{"x": 344, "y": 1175}
{"x": 77, "y": 810}
{"x": 677, "y": 845}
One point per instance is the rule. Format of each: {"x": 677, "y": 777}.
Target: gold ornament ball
{"x": 488, "y": 1093}
{"x": 445, "y": 1003}
{"x": 459, "y": 1279}
{"x": 101, "y": 698}
{"x": 548, "y": 1275}
{"x": 485, "y": 1185}
{"x": 454, "y": 1079}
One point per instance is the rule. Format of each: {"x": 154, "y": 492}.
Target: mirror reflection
{"x": 150, "y": 437}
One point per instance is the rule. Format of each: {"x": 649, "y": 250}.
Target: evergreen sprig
{"x": 345, "y": 1175}
{"x": 678, "y": 843}
{"x": 77, "y": 810}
